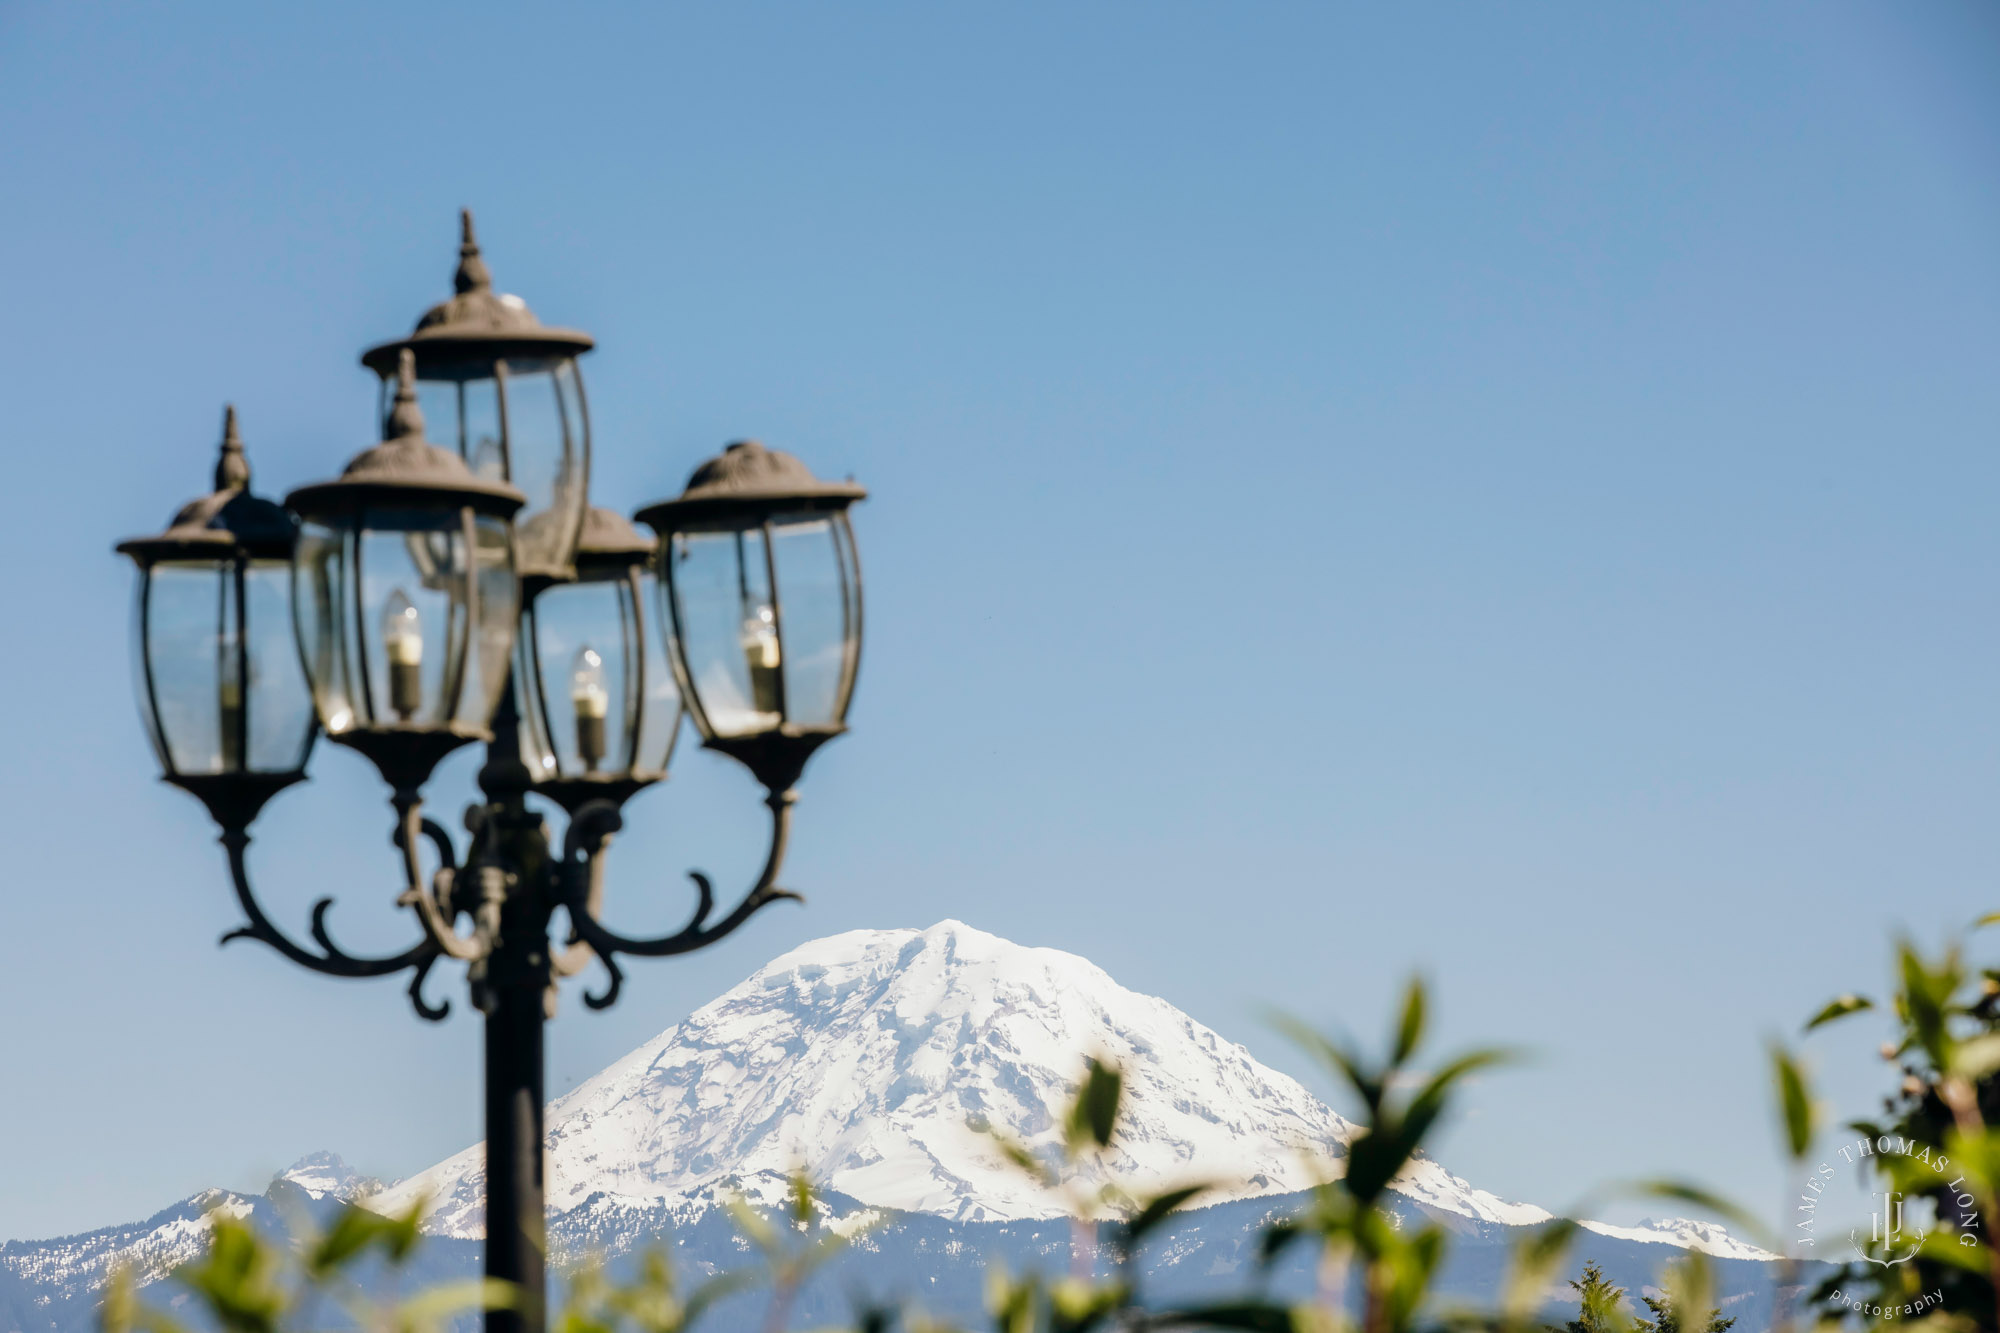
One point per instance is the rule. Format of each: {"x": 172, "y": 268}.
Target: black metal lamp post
{"x": 440, "y": 596}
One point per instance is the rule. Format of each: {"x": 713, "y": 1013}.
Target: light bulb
{"x": 592, "y": 702}
{"x": 403, "y": 645}
{"x": 229, "y": 700}
{"x": 762, "y": 653}
{"x": 487, "y": 459}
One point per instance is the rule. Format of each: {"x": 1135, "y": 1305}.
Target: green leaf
{"x": 119, "y": 1313}
{"x": 1977, "y": 1058}
{"x": 1839, "y": 1007}
{"x": 1536, "y": 1257}
{"x": 238, "y": 1278}
{"x": 1156, "y": 1211}
{"x": 1801, "y": 1117}
{"x": 1682, "y": 1192}
{"x": 1276, "y": 1239}
{"x": 707, "y": 1294}
{"x": 1095, "y": 1114}
{"x": 753, "y": 1224}
{"x": 1020, "y": 1156}
{"x": 1925, "y": 998}
{"x": 1410, "y": 1267}
{"x": 352, "y": 1230}
{"x": 1429, "y": 1103}
{"x": 1942, "y": 1246}
{"x": 1374, "y": 1158}
{"x": 430, "y": 1308}
{"x": 1367, "y": 1085}
{"x": 1247, "y": 1316}
{"x": 1410, "y": 1027}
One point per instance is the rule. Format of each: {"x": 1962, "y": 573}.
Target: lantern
{"x": 506, "y": 394}
{"x": 763, "y": 596}
{"x": 599, "y": 704}
{"x": 404, "y": 597}
{"x": 223, "y": 699}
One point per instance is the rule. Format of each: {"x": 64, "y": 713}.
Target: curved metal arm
{"x": 582, "y": 879}
{"x": 334, "y": 961}
{"x": 425, "y": 1009}
{"x": 429, "y": 898}
{"x": 429, "y": 902}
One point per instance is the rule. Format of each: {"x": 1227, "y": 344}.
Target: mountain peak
{"x": 323, "y": 1175}
{"x": 874, "y": 1059}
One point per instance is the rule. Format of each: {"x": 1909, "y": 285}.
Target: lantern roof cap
{"x": 477, "y": 321}
{"x": 226, "y": 522}
{"x": 406, "y": 470}
{"x": 607, "y": 533}
{"x": 744, "y": 478}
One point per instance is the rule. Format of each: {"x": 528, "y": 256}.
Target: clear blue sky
{"x": 1504, "y": 490}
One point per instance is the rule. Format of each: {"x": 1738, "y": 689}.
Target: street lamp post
{"x": 436, "y": 595}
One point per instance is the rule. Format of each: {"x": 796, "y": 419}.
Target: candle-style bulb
{"x": 763, "y": 655}
{"x": 592, "y": 702}
{"x": 229, "y": 699}
{"x": 403, "y": 645}
{"x": 489, "y": 461}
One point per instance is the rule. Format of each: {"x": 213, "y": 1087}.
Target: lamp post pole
{"x": 480, "y": 615}
{"x": 514, "y": 992}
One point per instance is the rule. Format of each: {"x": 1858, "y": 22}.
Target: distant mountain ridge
{"x": 868, "y": 1059}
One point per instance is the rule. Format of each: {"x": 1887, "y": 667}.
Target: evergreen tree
{"x": 1597, "y": 1303}
{"x": 1667, "y": 1319}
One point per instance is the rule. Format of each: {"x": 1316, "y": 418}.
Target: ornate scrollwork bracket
{"x": 574, "y": 882}
{"x": 581, "y": 891}
{"x": 430, "y": 898}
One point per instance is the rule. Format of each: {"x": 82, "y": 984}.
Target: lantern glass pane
{"x": 280, "y": 719}
{"x": 586, "y": 675}
{"x": 817, "y": 620}
{"x": 547, "y": 453}
{"x": 498, "y": 613}
{"x": 537, "y": 750}
{"x": 461, "y": 406}
{"x": 409, "y": 616}
{"x": 193, "y": 660}
{"x": 321, "y": 624}
{"x": 660, "y": 704}
{"x": 140, "y": 689}
{"x": 438, "y": 400}
{"x": 728, "y": 648}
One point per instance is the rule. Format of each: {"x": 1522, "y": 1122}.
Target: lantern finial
{"x": 472, "y": 275}
{"x": 232, "y": 469}
{"x": 406, "y": 419}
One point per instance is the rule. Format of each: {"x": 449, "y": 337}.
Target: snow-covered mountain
{"x": 870, "y": 1059}
{"x": 1687, "y": 1234}
{"x": 324, "y": 1176}
{"x": 873, "y": 1059}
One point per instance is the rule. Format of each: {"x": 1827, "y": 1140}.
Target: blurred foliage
{"x": 1374, "y": 1262}
{"x": 248, "y": 1283}
{"x": 1931, "y": 1145}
